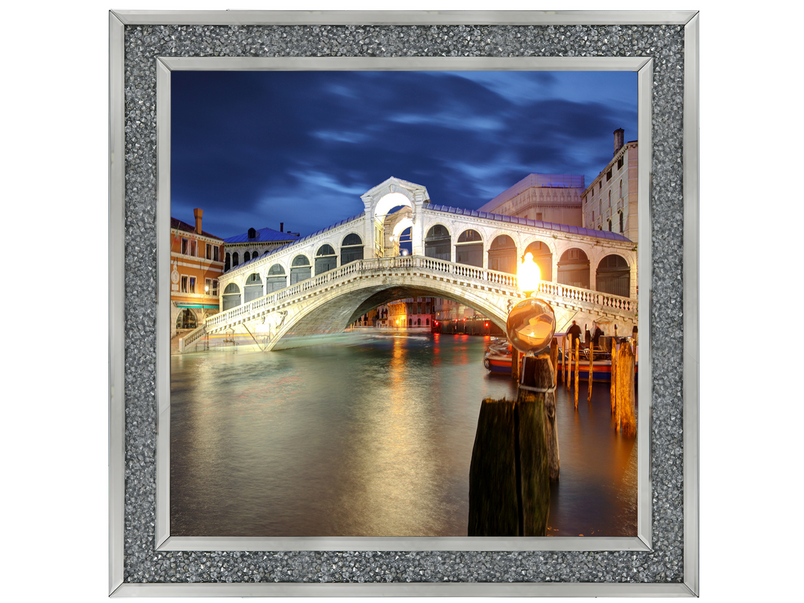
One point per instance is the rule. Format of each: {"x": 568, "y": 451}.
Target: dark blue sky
{"x": 254, "y": 149}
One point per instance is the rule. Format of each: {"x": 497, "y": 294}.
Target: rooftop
{"x": 535, "y": 181}
{"x": 184, "y": 226}
{"x": 476, "y": 213}
{"x": 263, "y": 235}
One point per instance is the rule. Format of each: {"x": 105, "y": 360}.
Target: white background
{"x": 54, "y": 369}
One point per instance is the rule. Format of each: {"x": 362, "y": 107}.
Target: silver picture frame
{"x": 138, "y": 223}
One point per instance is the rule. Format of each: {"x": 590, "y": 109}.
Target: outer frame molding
{"x": 117, "y": 23}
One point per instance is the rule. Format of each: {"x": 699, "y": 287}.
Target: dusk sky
{"x": 254, "y": 149}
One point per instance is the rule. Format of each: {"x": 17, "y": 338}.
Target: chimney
{"x": 281, "y": 227}
{"x": 618, "y": 139}
{"x": 198, "y": 215}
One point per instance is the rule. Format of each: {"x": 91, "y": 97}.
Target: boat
{"x": 498, "y": 359}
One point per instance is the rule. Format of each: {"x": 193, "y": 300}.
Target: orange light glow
{"x": 528, "y": 275}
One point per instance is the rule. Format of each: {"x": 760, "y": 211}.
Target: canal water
{"x": 368, "y": 436}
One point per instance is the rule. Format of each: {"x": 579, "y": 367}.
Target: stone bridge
{"x": 325, "y": 281}
{"x": 328, "y": 303}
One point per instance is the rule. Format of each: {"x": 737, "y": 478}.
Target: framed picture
{"x": 316, "y": 226}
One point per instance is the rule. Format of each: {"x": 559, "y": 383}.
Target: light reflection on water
{"x": 371, "y": 439}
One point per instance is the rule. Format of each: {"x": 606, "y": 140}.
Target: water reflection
{"x": 371, "y": 439}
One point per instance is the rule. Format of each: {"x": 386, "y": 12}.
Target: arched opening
{"x": 469, "y": 248}
{"x": 351, "y": 249}
{"x": 325, "y": 259}
{"x": 246, "y": 256}
{"x": 502, "y": 255}
{"x": 186, "y": 319}
{"x": 437, "y": 243}
{"x": 253, "y": 287}
{"x": 276, "y": 279}
{"x": 231, "y": 296}
{"x": 299, "y": 269}
{"x": 614, "y": 276}
{"x": 573, "y": 268}
{"x": 543, "y": 258}
{"x": 235, "y": 259}
{"x": 227, "y": 263}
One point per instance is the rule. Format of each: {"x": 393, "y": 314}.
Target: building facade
{"x": 610, "y": 202}
{"x": 253, "y": 243}
{"x": 552, "y": 198}
{"x": 196, "y": 264}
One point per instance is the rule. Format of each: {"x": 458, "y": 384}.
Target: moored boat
{"x": 498, "y": 359}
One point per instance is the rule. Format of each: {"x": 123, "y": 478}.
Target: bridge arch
{"x": 503, "y": 255}
{"x": 573, "y": 268}
{"x": 438, "y": 242}
{"x": 276, "y": 279}
{"x": 253, "y": 287}
{"x": 300, "y": 269}
{"x": 325, "y": 259}
{"x": 543, "y": 256}
{"x": 351, "y": 248}
{"x": 613, "y": 275}
{"x": 469, "y": 248}
{"x": 333, "y": 310}
{"x": 231, "y": 296}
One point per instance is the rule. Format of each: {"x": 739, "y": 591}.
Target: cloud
{"x": 251, "y": 146}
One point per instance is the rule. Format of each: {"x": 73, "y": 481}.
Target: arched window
{"x": 231, "y": 296}
{"x": 437, "y": 243}
{"x": 227, "y": 263}
{"x": 300, "y": 269}
{"x": 252, "y": 233}
{"x": 621, "y": 189}
{"x": 614, "y": 276}
{"x": 186, "y": 320}
{"x": 253, "y": 288}
{"x": 621, "y": 220}
{"x": 246, "y": 256}
{"x": 235, "y": 259}
{"x": 573, "y": 268}
{"x": 502, "y": 255}
{"x": 351, "y": 249}
{"x": 276, "y": 279}
{"x": 469, "y": 248}
{"x": 325, "y": 259}
{"x": 543, "y": 258}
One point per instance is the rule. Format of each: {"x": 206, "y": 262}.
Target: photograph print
{"x": 403, "y": 303}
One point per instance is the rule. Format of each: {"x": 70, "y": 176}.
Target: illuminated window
{"x": 192, "y": 285}
{"x": 184, "y": 284}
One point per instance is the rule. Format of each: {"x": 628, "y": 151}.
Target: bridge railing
{"x": 488, "y": 277}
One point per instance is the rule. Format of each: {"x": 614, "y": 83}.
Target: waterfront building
{"x": 254, "y": 243}
{"x": 411, "y": 313}
{"x": 552, "y": 198}
{"x": 610, "y": 202}
{"x": 196, "y": 262}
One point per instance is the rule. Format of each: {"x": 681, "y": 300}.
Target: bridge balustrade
{"x": 368, "y": 266}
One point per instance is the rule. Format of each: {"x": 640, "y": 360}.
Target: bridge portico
{"x": 324, "y": 281}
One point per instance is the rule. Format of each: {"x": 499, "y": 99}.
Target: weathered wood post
{"x": 564, "y": 360}
{"x": 515, "y": 455}
{"x": 591, "y": 369}
{"x": 626, "y": 416}
{"x": 613, "y": 376}
{"x": 515, "y": 364}
{"x": 554, "y": 359}
{"x": 577, "y": 366}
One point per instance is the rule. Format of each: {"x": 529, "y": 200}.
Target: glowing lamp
{"x": 528, "y": 275}
{"x": 531, "y": 326}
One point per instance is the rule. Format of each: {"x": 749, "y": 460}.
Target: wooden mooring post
{"x": 514, "y": 456}
{"x": 626, "y": 416}
{"x": 577, "y": 367}
{"x": 591, "y": 369}
{"x": 613, "y": 376}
